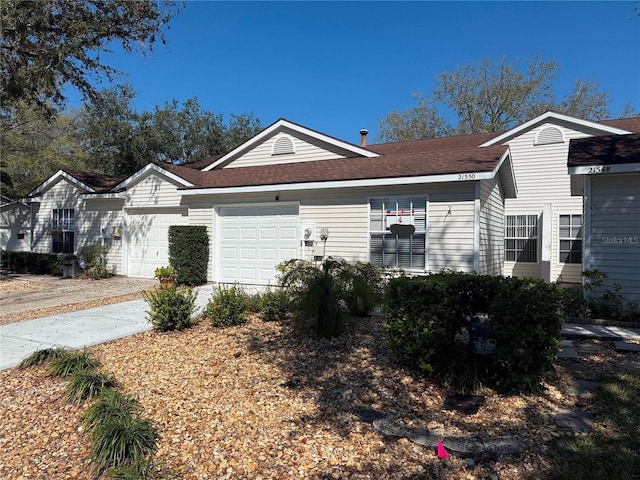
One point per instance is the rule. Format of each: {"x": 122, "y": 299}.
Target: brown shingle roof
{"x": 629, "y": 124}
{"x": 393, "y": 165}
{"x": 605, "y": 150}
{"x": 99, "y": 182}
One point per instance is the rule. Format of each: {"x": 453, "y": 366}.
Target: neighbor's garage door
{"x": 253, "y": 240}
{"x": 147, "y": 236}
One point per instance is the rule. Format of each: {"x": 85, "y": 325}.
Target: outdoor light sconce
{"x": 324, "y": 234}
{"x": 116, "y": 232}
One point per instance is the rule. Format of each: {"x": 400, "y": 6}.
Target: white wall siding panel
{"x": 61, "y": 195}
{"x": 95, "y": 220}
{"x": 491, "y": 228}
{"x": 154, "y": 190}
{"x": 15, "y": 222}
{"x": 201, "y": 213}
{"x": 306, "y": 149}
{"x": 615, "y": 231}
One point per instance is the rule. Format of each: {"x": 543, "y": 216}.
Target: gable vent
{"x": 549, "y": 135}
{"x": 282, "y": 145}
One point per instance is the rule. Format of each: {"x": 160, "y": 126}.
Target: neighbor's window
{"x": 570, "y": 235}
{"x": 63, "y": 230}
{"x": 389, "y": 250}
{"x": 521, "y": 238}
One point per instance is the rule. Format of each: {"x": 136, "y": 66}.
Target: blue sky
{"x": 338, "y": 67}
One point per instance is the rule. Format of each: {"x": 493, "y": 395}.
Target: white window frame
{"x": 420, "y": 221}
{"x": 579, "y": 237}
{"x": 522, "y": 236}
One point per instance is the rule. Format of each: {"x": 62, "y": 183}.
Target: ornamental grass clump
{"x": 123, "y": 441}
{"x": 110, "y": 405}
{"x": 68, "y": 363}
{"x": 86, "y": 384}
{"x": 170, "y": 308}
{"x": 43, "y": 356}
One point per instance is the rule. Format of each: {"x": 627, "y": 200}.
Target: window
{"x": 389, "y": 250}
{"x": 570, "y": 236}
{"x": 63, "y": 230}
{"x": 521, "y": 239}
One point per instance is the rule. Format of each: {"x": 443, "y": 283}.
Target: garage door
{"x": 253, "y": 240}
{"x": 147, "y": 236}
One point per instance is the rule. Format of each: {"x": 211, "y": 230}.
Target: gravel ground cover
{"x": 257, "y": 402}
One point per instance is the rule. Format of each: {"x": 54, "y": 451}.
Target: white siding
{"x": 61, "y": 195}
{"x": 95, "y": 219}
{"x": 306, "y": 149}
{"x": 15, "y": 221}
{"x": 615, "y": 231}
{"x": 201, "y": 213}
{"x": 154, "y": 190}
{"x": 542, "y": 178}
{"x": 491, "y": 228}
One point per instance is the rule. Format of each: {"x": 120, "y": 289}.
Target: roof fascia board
{"x": 286, "y": 124}
{"x": 506, "y": 164}
{"x": 152, "y": 166}
{"x": 53, "y": 179}
{"x": 605, "y": 169}
{"x": 375, "y": 182}
{"x": 118, "y": 195}
{"x": 554, "y": 116}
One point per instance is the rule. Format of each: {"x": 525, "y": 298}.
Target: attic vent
{"x": 282, "y": 145}
{"x": 549, "y": 135}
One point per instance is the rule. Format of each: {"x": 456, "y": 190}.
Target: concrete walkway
{"x": 79, "y": 329}
{"x": 585, "y": 331}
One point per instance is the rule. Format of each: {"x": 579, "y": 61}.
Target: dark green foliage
{"x": 86, "y": 384}
{"x": 42, "y": 356}
{"x": 170, "y": 308}
{"x": 274, "y": 304}
{"x": 95, "y": 265}
{"x": 111, "y": 405}
{"x": 428, "y": 320}
{"x": 189, "y": 253}
{"x": 34, "y": 263}
{"x": 122, "y": 441}
{"x": 254, "y": 302}
{"x": 364, "y": 288}
{"x": 227, "y": 306}
{"x": 142, "y": 469}
{"x": 68, "y": 363}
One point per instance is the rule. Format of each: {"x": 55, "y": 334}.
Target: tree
{"x": 34, "y": 146}
{"x": 492, "y": 96}
{"x": 421, "y": 121}
{"x": 48, "y": 44}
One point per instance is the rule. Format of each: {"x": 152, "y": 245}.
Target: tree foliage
{"x": 492, "y": 95}
{"x": 48, "y": 44}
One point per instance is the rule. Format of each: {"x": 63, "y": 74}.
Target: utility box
{"x": 482, "y": 338}
{"x": 69, "y": 268}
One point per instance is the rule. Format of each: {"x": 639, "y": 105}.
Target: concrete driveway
{"x": 79, "y": 329}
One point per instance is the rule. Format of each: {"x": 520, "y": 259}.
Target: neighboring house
{"x": 15, "y": 225}
{"x": 490, "y": 203}
{"x": 606, "y": 173}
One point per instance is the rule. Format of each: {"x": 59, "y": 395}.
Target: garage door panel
{"x": 265, "y": 236}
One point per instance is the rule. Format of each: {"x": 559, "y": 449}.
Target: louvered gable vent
{"x": 549, "y": 135}
{"x": 282, "y": 144}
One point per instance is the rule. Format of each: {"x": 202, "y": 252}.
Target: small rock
{"x": 469, "y": 462}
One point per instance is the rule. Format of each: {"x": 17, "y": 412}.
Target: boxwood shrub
{"x": 428, "y": 321}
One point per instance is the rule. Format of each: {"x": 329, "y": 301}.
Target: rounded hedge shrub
{"x": 227, "y": 306}
{"x": 170, "y": 308}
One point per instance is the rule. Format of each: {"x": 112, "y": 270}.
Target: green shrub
{"x": 227, "y": 306}
{"x": 67, "y": 363}
{"x": 170, "y": 308}
{"x": 122, "y": 441}
{"x": 110, "y": 405}
{"x": 429, "y": 319}
{"x": 42, "y": 356}
{"x": 34, "y": 263}
{"x": 86, "y": 384}
{"x": 317, "y": 295}
{"x": 274, "y": 304}
{"x": 254, "y": 302}
{"x": 189, "y": 253}
{"x": 364, "y": 287}
{"x": 95, "y": 261}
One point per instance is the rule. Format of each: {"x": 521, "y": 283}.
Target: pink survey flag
{"x": 442, "y": 453}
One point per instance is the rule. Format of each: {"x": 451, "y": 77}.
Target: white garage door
{"x": 253, "y": 240}
{"x": 147, "y": 234}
